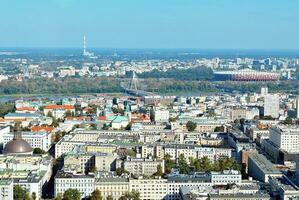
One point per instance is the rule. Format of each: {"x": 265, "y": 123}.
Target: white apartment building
{"x": 271, "y": 105}
{"x": 226, "y": 177}
{"x": 113, "y": 186}
{"x": 196, "y": 152}
{"x": 154, "y": 189}
{"x": 66, "y": 180}
{"x": 3, "y": 131}
{"x": 161, "y": 115}
{"x": 36, "y": 139}
{"x": 285, "y": 138}
{"x": 151, "y": 150}
{"x": 30, "y": 172}
{"x": 6, "y": 189}
{"x": 140, "y": 166}
{"x": 168, "y": 189}
{"x": 33, "y": 183}
{"x": 65, "y": 145}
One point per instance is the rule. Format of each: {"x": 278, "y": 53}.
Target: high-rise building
{"x": 271, "y": 105}
{"x": 264, "y": 91}
{"x": 285, "y": 138}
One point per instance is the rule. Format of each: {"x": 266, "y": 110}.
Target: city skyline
{"x": 131, "y": 24}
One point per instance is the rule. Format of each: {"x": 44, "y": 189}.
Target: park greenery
{"x": 191, "y": 126}
{"x": 19, "y": 193}
{"x": 187, "y": 81}
{"x": 38, "y": 151}
{"x": 72, "y": 194}
{"x": 96, "y": 195}
{"x": 6, "y": 108}
{"x": 199, "y": 165}
{"x": 70, "y": 85}
{"x": 133, "y": 195}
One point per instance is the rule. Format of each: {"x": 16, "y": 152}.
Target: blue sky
{"x": 203, "y": 24}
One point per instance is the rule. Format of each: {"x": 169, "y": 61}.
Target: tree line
{"x": 69, "y": 85}
{"x": 203, "y": 164}
{"x": 194, "y": 74}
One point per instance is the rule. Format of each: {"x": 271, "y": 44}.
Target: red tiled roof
{"x": 42, "y": 128}
{"x": 54, "y": 106}
{"x": 26, "y": 109}
{"x": 102, "y": 118}
{"x": 83, "y": 118}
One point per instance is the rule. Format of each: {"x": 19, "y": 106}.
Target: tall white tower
{"x": 84, "y": 45}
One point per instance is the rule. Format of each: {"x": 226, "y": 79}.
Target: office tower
{"x": 271, "y": 105}
{"x": 264, "y": 91}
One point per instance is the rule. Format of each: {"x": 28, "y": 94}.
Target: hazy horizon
{"x": 133, "y": 24}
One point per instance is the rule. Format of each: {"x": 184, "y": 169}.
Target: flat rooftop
{"x": 264, "y": 164}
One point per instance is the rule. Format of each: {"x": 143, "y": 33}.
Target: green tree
{"x": 55, "y": 122}
{"x": 172, "y": 119}
{"x": 205, "y": 164}
{"x": 93, "y": 169}
{"x": 105, "y": 127}
{"x": 96, "y": 195}
{"x": 33, "y": 196}
{"x": 109, "y": 197}
{"x": 50, "y": 114}
{"x": 38, "y": 151}
{"x": 6, "y": 108}
{"x": 219, "y": 129}
{"x": 159, "y": 171}
{"x": 168, "y": 163}
{"x": 134, "y": 195}
{"x": 191, "y": 126}
{"x": 129, "y": 126}
{"x": 288, "y": 120}
{"x": 119, "y": 171}
{"x": 20, "y": 193}
{"x": 68, "y": 113}
{"x": 183, "y": 165}
{"x": 58, "y": 197}
{"x": 72, "y": 194}
{"x": 94, "y": 126}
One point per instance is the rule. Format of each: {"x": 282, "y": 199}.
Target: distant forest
{"x": 69, "y": 85}
{"x": 190, "y": 81}
{"x": 192, "y": 74}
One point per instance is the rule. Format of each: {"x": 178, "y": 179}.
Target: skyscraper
{"x": 271, "y": 105}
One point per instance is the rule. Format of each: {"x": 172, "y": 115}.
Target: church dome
{"x": 18, "y": 146}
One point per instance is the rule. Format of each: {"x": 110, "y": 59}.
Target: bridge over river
{"x": 133, "y": 90}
